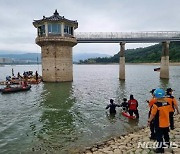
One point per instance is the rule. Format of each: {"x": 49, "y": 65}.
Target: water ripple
{"x": 56, "y": 117}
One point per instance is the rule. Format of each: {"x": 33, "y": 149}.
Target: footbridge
{"x": 133, "y": 37}
{"x": 128, "y": 37}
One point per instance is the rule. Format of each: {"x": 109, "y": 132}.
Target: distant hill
{"x": 149, "y": 54}
{"x": 84, "y": 56}
{"x": 34, "y": 56}
{"x": 24, "y": 56}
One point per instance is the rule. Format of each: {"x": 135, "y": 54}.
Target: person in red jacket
{"x": 133, "y": 105}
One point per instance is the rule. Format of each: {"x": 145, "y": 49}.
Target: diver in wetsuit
{"x": 112, "y": 107}
{"x": 124, "y": 105}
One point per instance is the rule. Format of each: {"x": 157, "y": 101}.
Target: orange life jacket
{"x": 161, "y": 111}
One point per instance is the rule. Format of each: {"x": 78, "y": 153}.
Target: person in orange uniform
{"x": 152, "y": 100}
{"x": 150, "y": 103}
{"x": 160, "y": 114}
{"x": 132, "y": 106}
{"x": 174, "y": 105}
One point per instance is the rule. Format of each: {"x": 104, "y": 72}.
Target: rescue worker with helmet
{"x": 160, "y": 114}
{"x": 174, "y": 105}
{"x": 132, "y": 106}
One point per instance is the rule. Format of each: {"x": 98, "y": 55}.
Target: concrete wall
{"x": 57, "y": 65}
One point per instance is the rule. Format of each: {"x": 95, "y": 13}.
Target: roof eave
{"x": 37, "y": 23}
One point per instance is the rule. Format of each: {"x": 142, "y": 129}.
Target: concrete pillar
{"x": 46, "y": 29}
{"x": 62, "y": 29}
{"x": 122, "y": 62}
{"x": 164, "y": 71}
{"x": 73, "y": 31}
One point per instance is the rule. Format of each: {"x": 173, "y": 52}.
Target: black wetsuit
{"x": 112, "y": 107}
{"x": 125, "y": 106}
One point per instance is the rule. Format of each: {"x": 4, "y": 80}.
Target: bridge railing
{"x": 129, "y": 35}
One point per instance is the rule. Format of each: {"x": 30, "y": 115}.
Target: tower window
{"x": 68, "y": 30}
{"x": 41, "y": 30}
{"x": 54, "y": 28}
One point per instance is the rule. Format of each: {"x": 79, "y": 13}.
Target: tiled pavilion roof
{"x": 55, "y": 18}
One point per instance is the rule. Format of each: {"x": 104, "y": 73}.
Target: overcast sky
{"x": 18, "y": 34}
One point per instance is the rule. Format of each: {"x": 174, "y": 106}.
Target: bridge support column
{"x": 122, "y": 62}
{"x": 164, "y": 71}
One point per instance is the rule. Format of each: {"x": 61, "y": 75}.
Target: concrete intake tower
{"x": 55, "y": 36}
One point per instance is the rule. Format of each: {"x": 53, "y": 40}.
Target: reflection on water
{"x": 133, "y": 123}
{"x": 164, "y": 83}
{"x": 56, "y": 119}
{"x": 121, "y": 91}
{"x": 111, "y": 117}
{"x": 62, "y": 117}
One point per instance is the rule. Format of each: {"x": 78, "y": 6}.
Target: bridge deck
{"x": 129, "y": 37}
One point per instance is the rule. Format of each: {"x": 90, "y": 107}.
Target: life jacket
{"x": 132, "y": 104}
{"x": 151, "y": 102}
{"x": 172, "y": 102}
{"x": 161, "y": 111}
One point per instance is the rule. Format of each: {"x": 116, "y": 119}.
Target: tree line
{"x": 151, "y": 54}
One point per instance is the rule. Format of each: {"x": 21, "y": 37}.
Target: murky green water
{"x": 63, "y": 117}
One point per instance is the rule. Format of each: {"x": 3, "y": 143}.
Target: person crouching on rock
{"x": 112, "y": 107}
{"x": 132, "y": 106}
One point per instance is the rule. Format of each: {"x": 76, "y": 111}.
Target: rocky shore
{"x": 137, "y": 143}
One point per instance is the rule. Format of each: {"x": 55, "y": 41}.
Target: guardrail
{"x": 132, "y": 37}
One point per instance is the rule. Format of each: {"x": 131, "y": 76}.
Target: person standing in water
{"x": 37, "y": 75}
{"x": 124, "y": 105}
{"x": 112, "y": 107}
{"x": 132, "y": 106}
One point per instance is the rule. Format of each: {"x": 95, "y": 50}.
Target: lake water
{"x": 62, "y": 117}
